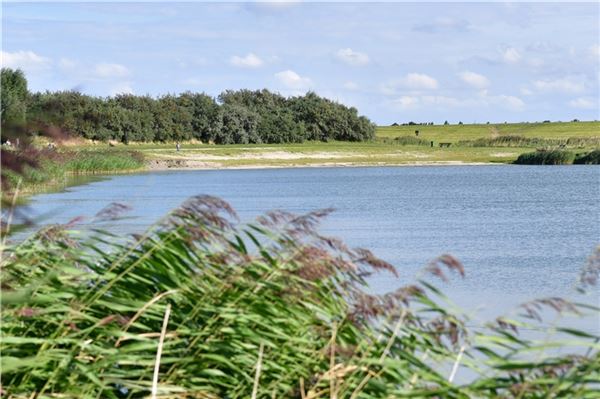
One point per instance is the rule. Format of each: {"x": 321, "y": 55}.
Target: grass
{"x": 455, "y": 133}
{"x": 503, "y": 143}
{"x": 559, "y": 157}
{"x": 202, "y": 307}
{"x": 374, "y": 153}
{"x": 521, "y": 141}
{"x": 480, "y": 143}
{"x": 552, "y": 157}
{"x": 56, "y": 167}
{"x": 591, "y": 158}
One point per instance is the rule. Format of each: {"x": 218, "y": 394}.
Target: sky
{"x": 394, "y": 62}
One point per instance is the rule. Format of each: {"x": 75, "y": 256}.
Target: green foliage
{"x": 242, "y": 117}
{"x": 54, "y": 165}
{"x": 411, "y": 140}
{"x": 13, "y": 96}
{"x": 238, "y": 125}
{"x": 83, "y": 318}
{"x": 546, "y": 157}
{"x": 590, "y": 158}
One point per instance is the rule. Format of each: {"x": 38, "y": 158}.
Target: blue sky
{"x": 473, "y": 62}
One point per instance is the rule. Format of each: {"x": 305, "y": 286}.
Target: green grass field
{"x": 326, "y": 154}
{"x": 384, "y": 150}
{"x": 454, "y": 133}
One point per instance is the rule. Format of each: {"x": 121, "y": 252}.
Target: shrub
{"x": 590, "y": 158}
{"x": 410, "y": 140}
{"x": 543, "y": 157}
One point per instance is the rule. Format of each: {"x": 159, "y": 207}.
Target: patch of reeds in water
{"x": 521, "y": 141}
{"x": 546, "y": 157}
{"x": 52, "y": 165}
{"x": 590, "y": 158}
{"x": 203, "y": 307}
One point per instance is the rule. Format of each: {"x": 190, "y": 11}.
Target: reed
{"x": 522, "y": 141}
{"x": 546, "y": 157}
{"x": 52, "y": 166}
{"x": 411, "y": 140}
{"x": 404, "y": 140}
{"x": 590, "y": 158}
{"x": 268, "y": 309}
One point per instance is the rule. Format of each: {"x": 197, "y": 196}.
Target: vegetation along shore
{"x": 250, "y": 129}
{"x": 289, "y": 316}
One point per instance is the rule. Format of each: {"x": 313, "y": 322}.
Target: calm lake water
{"x": 521, "y": 231}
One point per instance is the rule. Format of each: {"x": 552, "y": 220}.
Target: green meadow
{"x": 394, "y": 145}
{"x": 455, "y": 133}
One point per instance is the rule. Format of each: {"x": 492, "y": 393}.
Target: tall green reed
{"x": 84, "y": 318}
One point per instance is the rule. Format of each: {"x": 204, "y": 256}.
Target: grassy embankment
{"x": 480, "y": 143}
{"x": 55, "y": 168}
{"x": 190, "y": 310}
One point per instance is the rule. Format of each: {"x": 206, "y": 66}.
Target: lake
{"x": 522, "y": 232}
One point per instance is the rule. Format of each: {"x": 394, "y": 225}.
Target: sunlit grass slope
{"x": 454, "y": 133}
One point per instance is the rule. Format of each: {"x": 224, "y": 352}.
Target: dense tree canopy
{"x": 235, "y": 117}
{"x": 14, "y": 96}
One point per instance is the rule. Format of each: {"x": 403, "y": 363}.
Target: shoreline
{"x": 164, "y": 165}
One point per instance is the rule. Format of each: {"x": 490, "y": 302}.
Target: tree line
{"x": 234, "y": 117}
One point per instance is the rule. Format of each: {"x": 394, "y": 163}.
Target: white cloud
{"x": 483, "y": 99}
{"x": 443, "y": 100}
{"x": 474, "y": 79}
{"x": 511, "y": 55}
{"x": 419, "y": 81}
{"x": 26, "y": 60}
{"x": 249, "y": 61}
{"x": 105, "y": 70}
{"x": 569, "y": 84}
{"x": 351, "y": 57}
{"x": 351, "y": 85}
{"x": 510, "y": 102}
{"x": 413, "y": 81}
{"x": 292, "y": 80}
{"x": 583, "y": 102}
{"x": 121, "y": 88}
{"x": 406, "y": 102}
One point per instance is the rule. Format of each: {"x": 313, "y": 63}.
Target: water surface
{"x": 521, "y": 231}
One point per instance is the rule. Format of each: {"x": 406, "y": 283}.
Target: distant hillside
{"x": 455, "y": 133}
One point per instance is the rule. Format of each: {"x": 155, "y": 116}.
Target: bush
{"x": 590, "y": 158}
{"x": 551, "y": 157}
{"x": 411, "y": 140}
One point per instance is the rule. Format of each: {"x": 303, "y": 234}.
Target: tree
{"x": 204, "y": 115}
{"x": 14, "y": 96}
{"x": 238, "y": 125}
{"x": 242, "y": 116}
